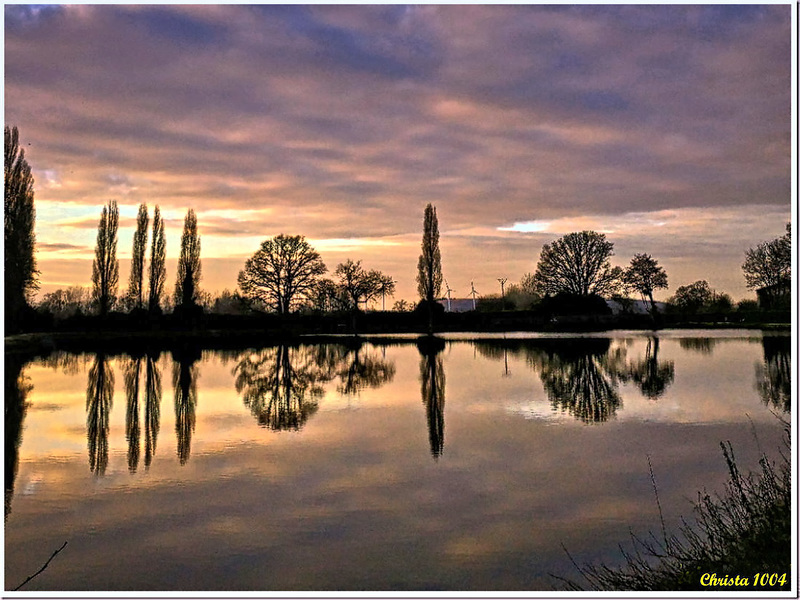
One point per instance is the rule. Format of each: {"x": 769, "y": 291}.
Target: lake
{"x": 465, "y": 463}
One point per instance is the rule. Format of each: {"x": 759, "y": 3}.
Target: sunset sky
{"x": 666, "y": 127}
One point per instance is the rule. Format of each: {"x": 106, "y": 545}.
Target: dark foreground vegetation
{"x": 740, "y": 541}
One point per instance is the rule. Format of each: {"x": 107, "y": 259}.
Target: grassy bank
{"x": 744, "y": 532}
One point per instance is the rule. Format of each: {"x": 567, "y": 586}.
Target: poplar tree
{"x": 20, "y": 240}
{"x": 158, "y": 267}
{"x": 187, "y": 284}
{"x": 429, "y": 276}
{"x": 135, "y": 285}
{"x": 105, "y": 266}
{"x": 429, "y": 268}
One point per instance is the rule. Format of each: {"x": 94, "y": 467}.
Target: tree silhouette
{"x": 105, "y": 267}
{"x": 693, "y": 297}
{"x": 135, "y": 285}
{"x": 283, "y": 272}
{"x": 651, "y": 376}
{"x": 17, "y": 388}
{"x": 280, "y": 385}
{"x": 132, "y": 425}
{"x": 774, "y": 375}
{"x": 158, "y": 268}
{"x": 357, "y": 285}
{"x": 769, "y": 263}
{"x": 99, "y": 400}
{"x": 184, "y": 381}
{"x": 429, "y": 266}
{"x": 432, "y": 379}
{"x": 152, "y": 407}
{"x": 20, "y": 240}
{"x": 578, "y": 264}
{"x": 187, "y": 283}
{"x": 644, "y": 275}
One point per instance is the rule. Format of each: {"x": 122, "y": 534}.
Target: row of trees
{"x": 579, "y": 264}
{"x": 286, "y": 273}
{"x": 105, "y": 266}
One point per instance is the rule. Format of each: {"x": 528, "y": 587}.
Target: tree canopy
{"x": 769, "y": 263}
{"x": 693, "y": 297}
{"x": 357, "y": 285}
{"x": 283, "y": 272}
{"x": 20, "y": 240}
{"x": 577, "y": 263}
{"x": 105, "y": 267}
{"x": 644, "y": 275}
{"x": 429, "y": 267}
{"x": 158, "y": 268}
{"x": 135, "y": 284}
{"x": 187, "y": 282}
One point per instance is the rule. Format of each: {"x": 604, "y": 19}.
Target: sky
{"x": 667, "y": 128}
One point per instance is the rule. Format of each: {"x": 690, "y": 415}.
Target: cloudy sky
{"x": 665, "y": 127}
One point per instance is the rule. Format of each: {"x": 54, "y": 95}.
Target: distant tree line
{"x": 286, "y": 274}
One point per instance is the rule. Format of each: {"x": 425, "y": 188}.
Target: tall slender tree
{"x": 158, "y": 267}
{"x": 187, "y": 283}
{"x": 136, "y": 283}
{"x": 105, "y": 267}
{"x": 20, "y": 241}
{"x": 429, "y": 267}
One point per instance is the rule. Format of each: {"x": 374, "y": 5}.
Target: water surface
{"x": 459, "y": 464}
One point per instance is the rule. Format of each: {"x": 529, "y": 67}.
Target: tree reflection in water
{"x": 702, "y": 345}
{"x": 581, "y": 378}
{"x": 581, "y": 375}
{"x": 99, "y": 399}
{"x": 280, "y": 385}
{"x": 651, "y": 376}
{"x": 184, "y": 380}
{"x": 774, "y": 375}
{"x": 17, "y": 388}
{"x": 431, "y": 371}
{"x": 152, "y": 407}
{"x": 358, "y": 370}
{"x": 133, "y": 370}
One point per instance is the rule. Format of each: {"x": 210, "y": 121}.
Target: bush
{"x": 573, "y": 304}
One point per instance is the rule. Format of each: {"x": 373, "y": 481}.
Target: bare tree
{"x": 135, "y": 284}
{"x": 187, "y": 282}
{"x": 105, "y": 267}
{"x": 20, "y": 240}
{"x": 577, "y": 263}
{"x": 282, "y": 272}
{"x": 158, "y": 267}
{"x": 358, "y": 285}
{"x": 769, "y": 263}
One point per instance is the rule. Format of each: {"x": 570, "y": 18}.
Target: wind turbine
{"x": 449, "y": 289}
{"x": 473, "y": 293}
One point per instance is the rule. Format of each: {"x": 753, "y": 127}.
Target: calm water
{"x": 463, "y": 465}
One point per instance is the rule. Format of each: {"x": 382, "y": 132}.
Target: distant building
{"x": 636, "y": 307}
{"x": 458, "y": 305}
{"x": 775, "y": 297}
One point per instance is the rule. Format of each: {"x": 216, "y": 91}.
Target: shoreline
{"x": 118, "y": 341}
